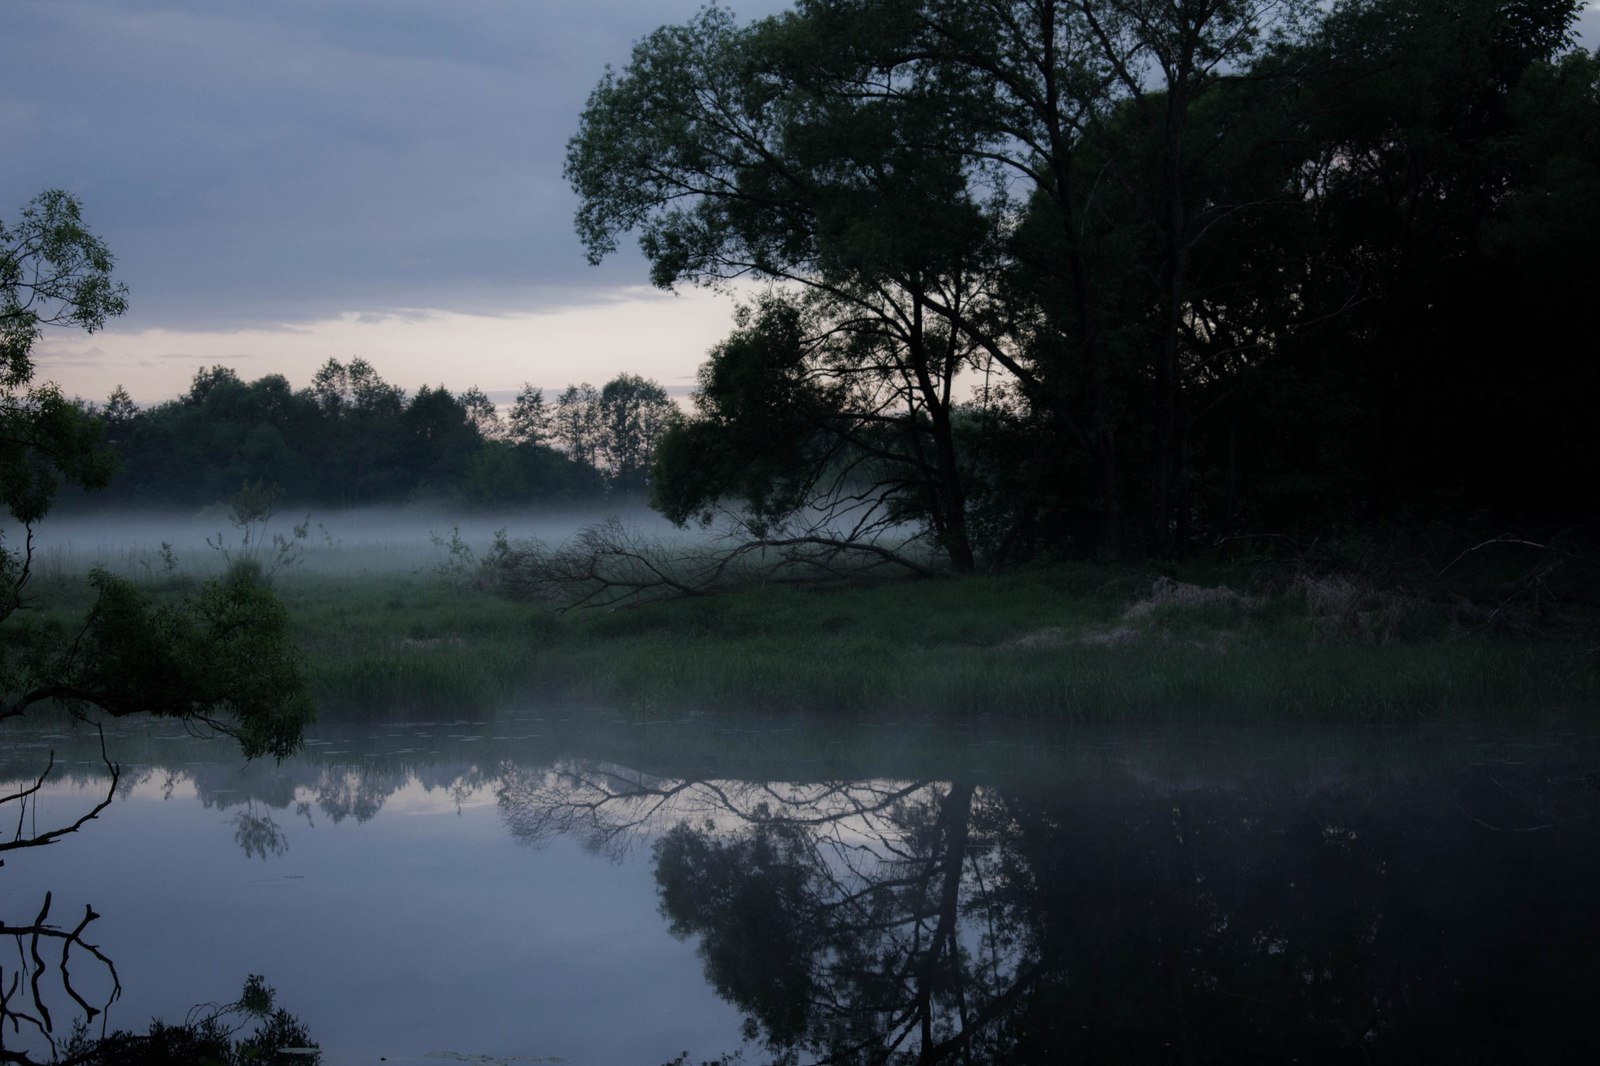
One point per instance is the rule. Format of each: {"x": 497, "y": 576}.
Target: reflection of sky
{"x": 418, "y": 800}
{"x": 425, "y": 929}
{"x": 426, "y": 900}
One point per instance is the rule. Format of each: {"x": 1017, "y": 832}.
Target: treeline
{"x": 1111, "y": 277}
{"x": 351, "y": 438}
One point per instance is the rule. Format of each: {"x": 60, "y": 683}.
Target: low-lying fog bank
{"x": 148, "y": 543}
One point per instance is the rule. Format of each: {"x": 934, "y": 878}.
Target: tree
{"x": 614, "y": 429}
{"x": 222, "y": 657}
{"x": 530, "y": 418}
{"x": 53, "y": 271}
{"x": 822, "y": 432}
{"x": 1430, "y": 148}
{"x": 909, "y": 165}
{"x": 575, "y": 423}
{"x": 483, "y": 414}
{"x": 1204, "y": 253}
{"x": 778, "y": 151}
{"x": 440, "y": 440}
{"x": 633, "y": 415}
{"x": 119, "y": 407}
{"x": 362, "y": 415}
{"x": 210, "y": 1034}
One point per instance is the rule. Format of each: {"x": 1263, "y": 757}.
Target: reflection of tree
{"x": 42, "y": 947}
{"x": 46, "y": 954}
{"x": 26, "y": 992}
{"x": 257, "y": 834}
{"x": 1129, "y": 920}
{"x": 355, "y": 792}
{"x": 849, "y": 938}
{"x": 834, "y": 915}
{"x": 26, "y": 800}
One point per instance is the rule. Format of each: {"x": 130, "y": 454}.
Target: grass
{"x": 1079, "y": 643}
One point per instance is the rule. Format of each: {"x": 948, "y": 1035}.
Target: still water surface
{"x": 524, "y": 889}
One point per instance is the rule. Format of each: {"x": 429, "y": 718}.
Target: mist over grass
{"x": 349, "y": 541}
{"x": 398, "y": 621}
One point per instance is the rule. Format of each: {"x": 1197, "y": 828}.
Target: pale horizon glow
{"x": 661, "y": 336}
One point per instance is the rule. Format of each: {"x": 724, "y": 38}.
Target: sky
{"x": 288, "y": 181}
{"x": 285, "y": 182}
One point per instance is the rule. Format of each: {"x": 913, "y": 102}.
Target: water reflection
{"x": 1229, "y": 898}
{"x": 41, "y": 975}
{"x": 257, "y": 834}
{"x": 1418, "y": 917}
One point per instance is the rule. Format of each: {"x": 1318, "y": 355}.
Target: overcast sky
{"x": 291, "y": 180}
{"x": 285, "y": 181}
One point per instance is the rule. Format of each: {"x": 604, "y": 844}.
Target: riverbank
{"x": 1067, "y": 642}
{"x": 1073, "y": 642}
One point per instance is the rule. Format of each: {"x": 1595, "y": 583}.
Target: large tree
{"x": 770, "y": 151}
{"x": 1013, "y": 186}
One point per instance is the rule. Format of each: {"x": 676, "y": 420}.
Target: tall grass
{"x": 1065, "y": 643}
{"x": 1054, "y": 643}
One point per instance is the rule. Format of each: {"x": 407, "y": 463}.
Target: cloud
{"x": 257, "y": 163}
{"x": 1588, "y": 27}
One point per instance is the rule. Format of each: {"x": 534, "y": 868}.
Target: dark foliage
{"x": 1210, "y": 269}
{"x": 349, "y": 439}
{"x": 353, "y": 439}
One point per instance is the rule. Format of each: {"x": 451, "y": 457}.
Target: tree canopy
{"x": 1109, "y": 276}
{"x": 351, "y": 438}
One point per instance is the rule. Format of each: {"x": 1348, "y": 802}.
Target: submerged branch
{"x": 38, "y": 840}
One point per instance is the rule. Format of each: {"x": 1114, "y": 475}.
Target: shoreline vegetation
{"x": 1103, "y": 644}
{"x": 1081, "y": 643}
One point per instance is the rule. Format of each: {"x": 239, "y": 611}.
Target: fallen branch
{"x": 612, "y": 565}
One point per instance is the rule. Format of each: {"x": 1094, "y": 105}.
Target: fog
{"x": 337, "y": 541}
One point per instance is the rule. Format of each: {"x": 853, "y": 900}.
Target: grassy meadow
{"x": 1075, "y": 643}
{"x": 421, "y": 632}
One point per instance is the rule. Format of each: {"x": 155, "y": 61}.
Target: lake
{"x": 581, "y": 887}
